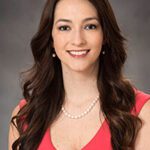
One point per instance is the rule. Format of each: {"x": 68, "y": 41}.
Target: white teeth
{"x": 78, "y": 53}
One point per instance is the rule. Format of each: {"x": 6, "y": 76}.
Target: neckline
{"x": 86, "y": 145}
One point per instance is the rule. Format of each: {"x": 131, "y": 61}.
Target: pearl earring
{"x": 53, "y": 55}
{"x": 103, "y": 52}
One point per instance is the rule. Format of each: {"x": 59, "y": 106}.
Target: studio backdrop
{"x": 19, "y": 21}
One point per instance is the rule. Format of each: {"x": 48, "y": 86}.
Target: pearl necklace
{"x": 67, "y": 114}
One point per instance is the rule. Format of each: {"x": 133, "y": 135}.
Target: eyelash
{"x": 59, "y": 28}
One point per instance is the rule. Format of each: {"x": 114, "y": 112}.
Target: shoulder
{"x": 143, "y": 137}
{"x": 18, "y": 107}
{"x": 145, "y": 111}
{"x": 13, "y": 133}
{"x": 141, "y": 99}
{"x": 15, "y": 111}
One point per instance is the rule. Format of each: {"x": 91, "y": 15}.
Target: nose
{"x": 78, "y": 38}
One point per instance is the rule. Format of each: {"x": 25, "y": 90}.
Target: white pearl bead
{"x": 82, "y": 114}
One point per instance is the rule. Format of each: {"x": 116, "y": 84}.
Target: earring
{"x": 103, "y": 52}
{"x": 53, "y": 55}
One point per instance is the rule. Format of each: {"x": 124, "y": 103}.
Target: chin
{"x": 77, "y": 67}
{"x": 80, "y": 69}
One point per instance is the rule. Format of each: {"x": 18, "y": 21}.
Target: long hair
{"x": 44, "y": 91}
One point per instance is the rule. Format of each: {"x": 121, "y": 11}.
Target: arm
{"x": 143, "y": 138}
{"x": 13, "y": 133}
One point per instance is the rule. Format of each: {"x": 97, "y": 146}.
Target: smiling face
{"x": 76, "y": 27}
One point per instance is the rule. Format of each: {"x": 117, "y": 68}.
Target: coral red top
{"x": 102, "y": 138}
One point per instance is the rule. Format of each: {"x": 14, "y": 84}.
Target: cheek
{"x": 58, "y": 45}
{"x": 96, "y": 39}
{"x": 97, "y": 42}
{"x": 59, "y": 41}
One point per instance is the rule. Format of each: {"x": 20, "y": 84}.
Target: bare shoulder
{"x": 142, "y": 141}
{"x": 13, "y": 133}
{"x": 15, "y": 111}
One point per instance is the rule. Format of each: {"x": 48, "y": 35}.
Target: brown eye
{"x": 91, "y": 26}
{"x": 63, "y": 28}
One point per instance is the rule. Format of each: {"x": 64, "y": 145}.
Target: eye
{"x": 63, "y": 28}
{"x": 91, "y": 26}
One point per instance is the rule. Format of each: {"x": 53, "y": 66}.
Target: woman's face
{"x": 76, "y": 28}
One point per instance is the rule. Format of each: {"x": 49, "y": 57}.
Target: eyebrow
{"x": 84, "y": 20}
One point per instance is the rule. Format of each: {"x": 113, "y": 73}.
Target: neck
{"x": 80, "y": 87}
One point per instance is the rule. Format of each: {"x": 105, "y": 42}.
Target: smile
{"x": 78, "y": 53}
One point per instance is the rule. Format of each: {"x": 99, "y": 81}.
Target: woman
{"x": 75, "y": 94}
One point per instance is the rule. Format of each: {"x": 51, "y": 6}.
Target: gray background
{"x": 19, "y": 21}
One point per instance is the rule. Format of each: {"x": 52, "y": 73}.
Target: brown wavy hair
{"x": 44, "y": 92}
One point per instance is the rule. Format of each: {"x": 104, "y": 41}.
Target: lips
{"x": 78, "y": 53}
{"x": 78, "y": 50}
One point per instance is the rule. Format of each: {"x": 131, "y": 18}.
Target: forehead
{"x": 74, "y": 9}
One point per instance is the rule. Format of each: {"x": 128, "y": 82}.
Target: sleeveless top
{"x": 102, "y": 139}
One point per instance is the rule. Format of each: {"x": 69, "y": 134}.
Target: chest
{"x": 74, "y": 135}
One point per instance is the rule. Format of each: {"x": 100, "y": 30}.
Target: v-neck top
{"x": 102, "y": 139}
